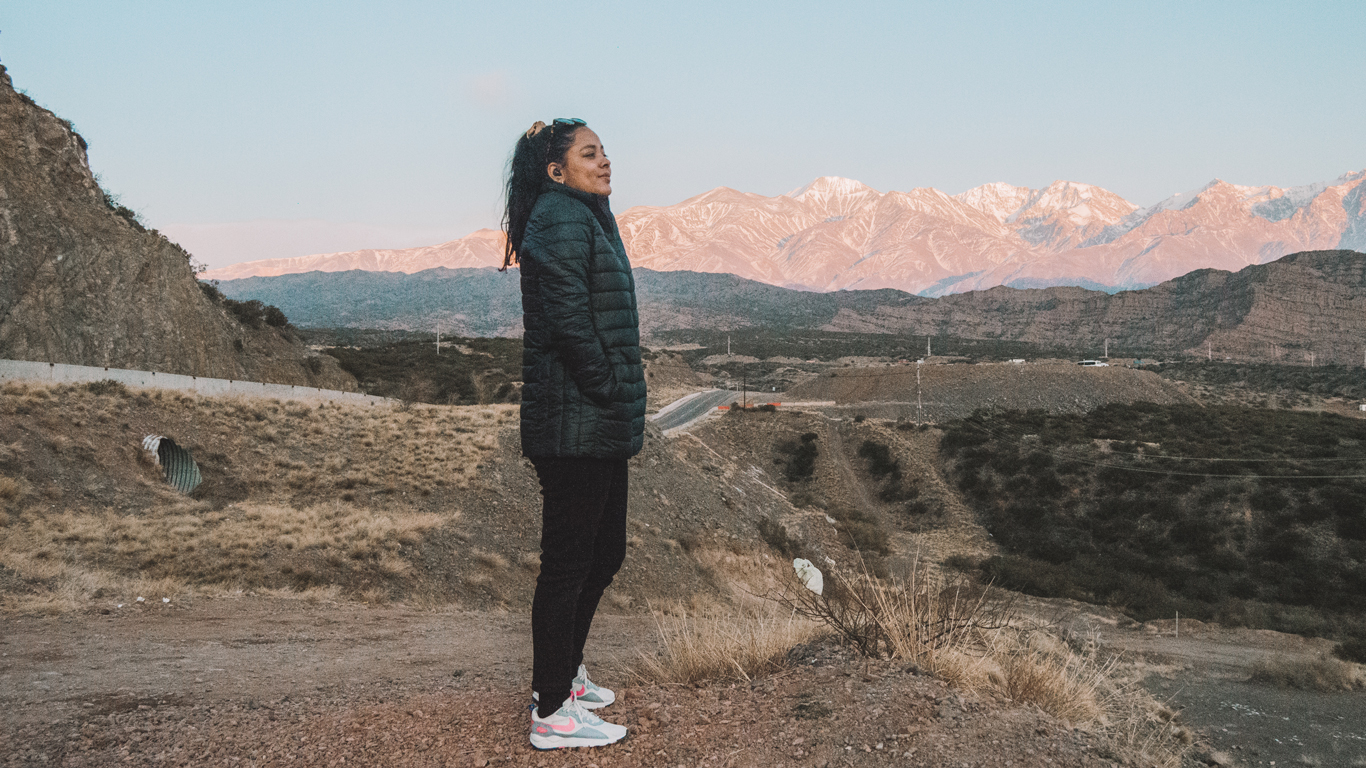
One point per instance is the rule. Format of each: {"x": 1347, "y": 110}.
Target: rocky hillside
{"x": 485, "y": 302}
{"x": 1311, "y": 303}
{"x": 83, "y": 282}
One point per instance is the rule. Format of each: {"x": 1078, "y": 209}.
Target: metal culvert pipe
{"x": 176, "y": 463}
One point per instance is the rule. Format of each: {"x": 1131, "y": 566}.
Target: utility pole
{"x": 927, "y": 346}
{"x": 919, "y": 404}
{"x": 744, "y": 386}
{"x": 1107, "y": 349}
{"x": 1209, "y": 351}
{"x": 728, "y": 345}
{"x": 438, "y": 339}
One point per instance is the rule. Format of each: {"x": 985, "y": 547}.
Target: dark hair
{"x": 535, "y": 149}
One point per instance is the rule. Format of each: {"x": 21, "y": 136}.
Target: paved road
{"x": 693, "y": 407}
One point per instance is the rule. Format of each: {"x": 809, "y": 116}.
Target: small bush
{"x": 801, "y": 464}
{"x": 211, "y": 292}
{"x": 862, "y": 532}
{"x": 880, "y": 460}
{"x": 11, "y": 488}
{"x": 1317, "y": 674}
{"x": 1353, "y": 650}
{"x": 775, "y": 535}
{"x": 274, "y": 317}
{"x": 107, "y": 387}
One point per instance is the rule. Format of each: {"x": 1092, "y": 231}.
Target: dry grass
{"x": 297, "y": 497}
{"x": 1067, "y": 686}
{"x": 491, "y": 560}
{"x": 12, "y": 488}
{"x": 975, "y": 640}
{"x": 82, "y": 555}
{"x": 1321, "y": 673}
{"x": 738, "y": 646}
{"x": 282, "y": 446}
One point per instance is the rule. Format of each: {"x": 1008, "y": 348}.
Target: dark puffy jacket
{"x": 583, "y": 391}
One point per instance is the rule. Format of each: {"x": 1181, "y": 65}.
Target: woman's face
{"x": 586, "y": 167}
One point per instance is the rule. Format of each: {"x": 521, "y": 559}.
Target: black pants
{"x": 583, "y": 543}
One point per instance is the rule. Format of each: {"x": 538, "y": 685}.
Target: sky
{"x": 252, "y": 130}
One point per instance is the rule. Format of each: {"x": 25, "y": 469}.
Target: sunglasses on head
{"x": 568, "y": 121}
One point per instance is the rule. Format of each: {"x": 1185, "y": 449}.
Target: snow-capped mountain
{"x": 483, "y": 248}
{"x": 837, "y": 233}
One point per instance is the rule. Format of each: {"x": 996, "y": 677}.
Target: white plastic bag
{"x": 809, "y": 575}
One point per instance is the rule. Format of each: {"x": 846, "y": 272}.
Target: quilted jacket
{"x": 583, "y": 390}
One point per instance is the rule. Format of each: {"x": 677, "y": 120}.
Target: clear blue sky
{"x": 263, "y": 129}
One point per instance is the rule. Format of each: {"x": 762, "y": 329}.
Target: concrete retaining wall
{"x": 22, "y": 370}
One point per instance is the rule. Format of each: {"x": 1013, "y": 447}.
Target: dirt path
{"x": 259, "y": 649}
{"x": 263, "y": 682}
{"x": 850, "y": 478}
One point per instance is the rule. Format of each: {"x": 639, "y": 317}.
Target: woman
{"x": 583, "y": 407}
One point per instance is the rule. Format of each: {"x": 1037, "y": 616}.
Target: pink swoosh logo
{"x": 567, "y": 728}
{"x": 581, "y": 691}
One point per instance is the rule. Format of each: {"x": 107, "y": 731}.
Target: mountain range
{"x": 1304, "y": 304}
{"x": 839, "y": 234}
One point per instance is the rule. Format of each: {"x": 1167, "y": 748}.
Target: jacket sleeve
{"x": 568, "y": 315}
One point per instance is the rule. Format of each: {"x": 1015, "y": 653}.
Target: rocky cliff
{"x": 83, "y": 282}
{"x": 1311, "y": 303}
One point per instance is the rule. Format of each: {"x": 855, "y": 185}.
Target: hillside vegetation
{"x": 1283, "y": 311}
{"x": 1245, "y": 516}
{"x": 466, "y": 372}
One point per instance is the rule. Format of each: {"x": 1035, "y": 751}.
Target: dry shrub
{"x": 12, "y": 488}
{"x": 491, "y": 560}
{"x": 11, "y": 453}
{"x": 1065, "y": 686}
{"x": 722, "y": 647}
{"x": 905, "y": 618}
{"x": 974, "y": 639}
{"x": 1321, "y": 673}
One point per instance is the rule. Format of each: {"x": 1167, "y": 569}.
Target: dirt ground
{"x": 1202, "y": 671}
{"x": 265, "y": 681}
{"x": 261, "y": 681}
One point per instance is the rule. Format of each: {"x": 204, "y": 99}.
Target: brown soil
{"x": 257, "y": 681}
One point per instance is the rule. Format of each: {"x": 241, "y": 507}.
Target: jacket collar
{"x": 596, "y": 203}
{"x": 587, "y": 197}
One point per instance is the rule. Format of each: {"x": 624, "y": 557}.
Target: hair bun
{"x": 535, "y": 128}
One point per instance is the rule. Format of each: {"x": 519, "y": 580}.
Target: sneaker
{"x": 573, "y": 726}
{"x": 589, "y": 694}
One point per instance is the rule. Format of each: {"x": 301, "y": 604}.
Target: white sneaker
{"x": 573, "y": 726}
{"x": 590, "y": 695}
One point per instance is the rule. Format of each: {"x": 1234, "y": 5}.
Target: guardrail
{"x": 59, "y": 373}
